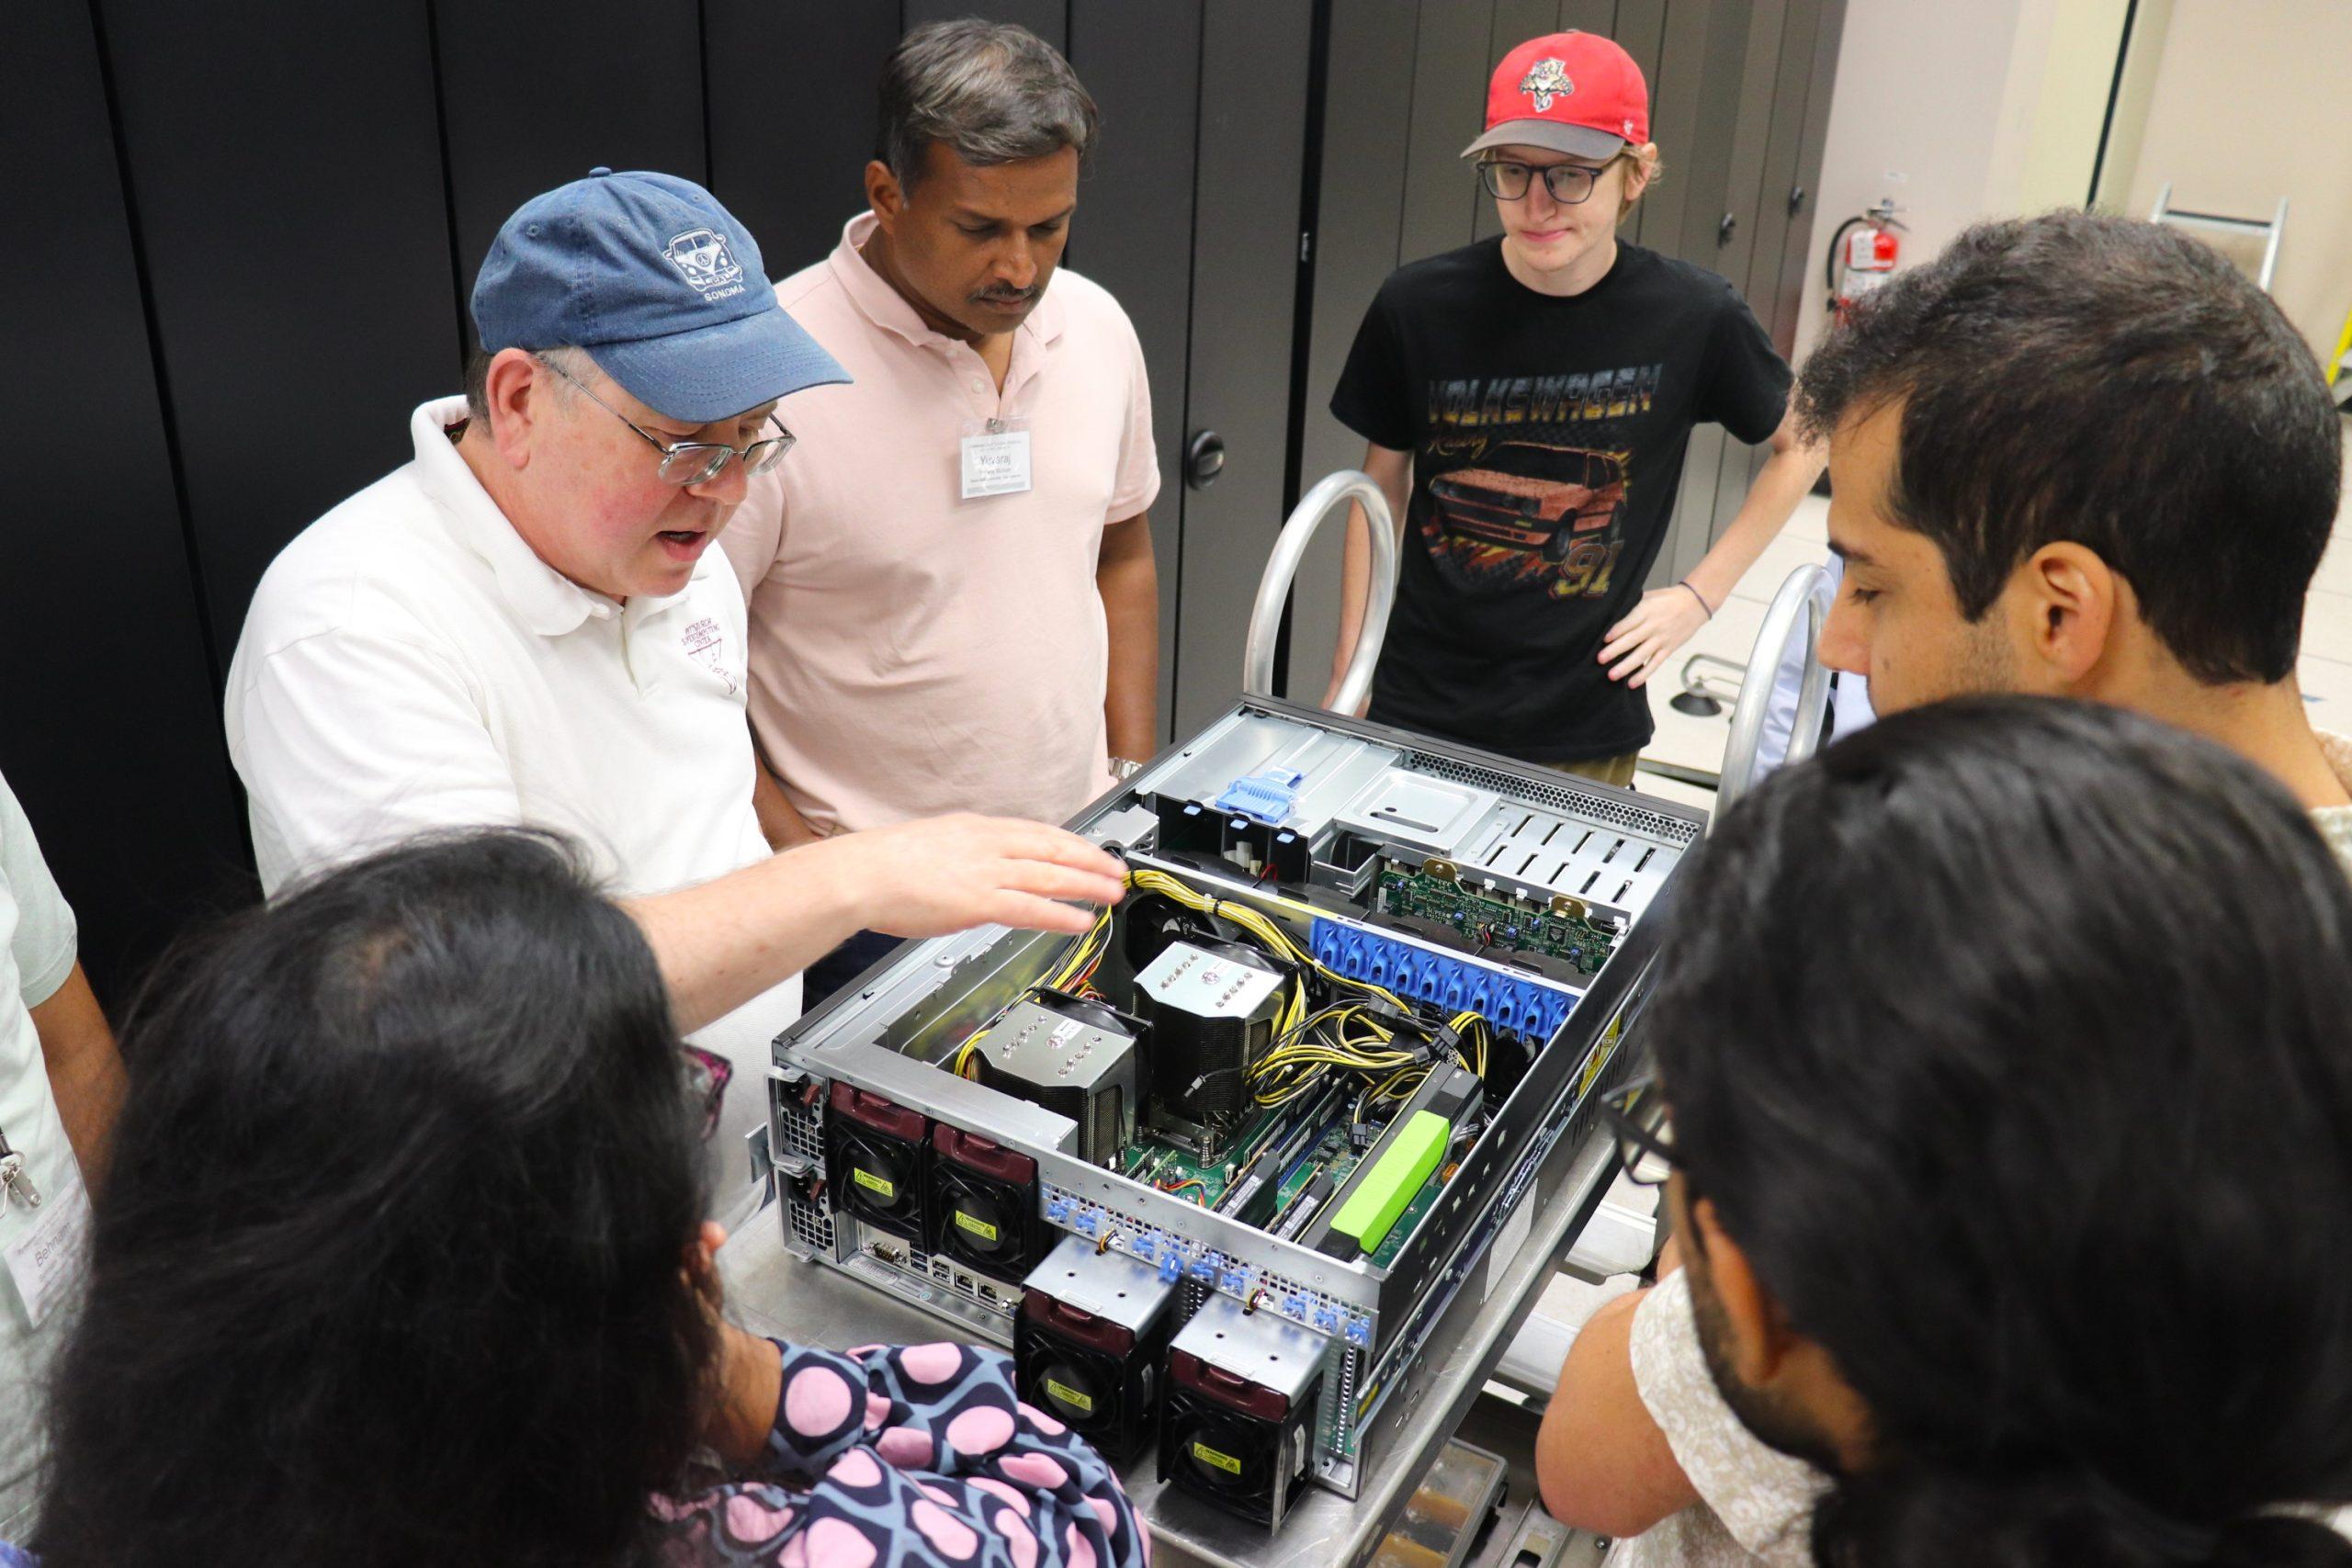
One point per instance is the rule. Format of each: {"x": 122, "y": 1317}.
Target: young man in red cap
{"x": 1536, "y": 394}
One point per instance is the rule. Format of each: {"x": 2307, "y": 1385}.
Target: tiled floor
{"x": 2325, "y": 670}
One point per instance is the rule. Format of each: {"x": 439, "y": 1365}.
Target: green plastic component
{"x": 1373, "y": 1208}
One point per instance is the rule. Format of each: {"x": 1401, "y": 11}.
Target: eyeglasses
{"x": 1569, "y": 184}
{"x": 706, "y": 1078}
{"x": 1647, "y": 1158}
{"x": 693, "y": 462}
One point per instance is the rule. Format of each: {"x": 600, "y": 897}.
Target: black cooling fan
{"x": 873, "y": 1155}
{"x": 1099, "y": 1371}
{"x": 983, "y": 1204}
{"x": 1152, "y": 920}
{"x": 1241, "y": 1446}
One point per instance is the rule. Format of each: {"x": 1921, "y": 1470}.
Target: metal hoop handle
{"x": 1800, "y": 594}
{"x": 1318, "y": 505}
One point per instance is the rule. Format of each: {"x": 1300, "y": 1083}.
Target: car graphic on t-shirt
{"x": 1529, "y": 497}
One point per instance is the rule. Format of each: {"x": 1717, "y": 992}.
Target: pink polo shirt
{"x": 912, "y": 652}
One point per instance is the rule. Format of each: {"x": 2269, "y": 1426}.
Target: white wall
{"x": 1962, "y": 112}
{"x": 2249, "y": 103}
{"x": 2061, "y": 74}
{"x": 1993, "y": 109}
{"x": 1920, "y": 89}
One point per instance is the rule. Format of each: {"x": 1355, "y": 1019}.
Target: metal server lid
{"x": 1262, "y": 1347}
{"x": 1107, "y": 1284}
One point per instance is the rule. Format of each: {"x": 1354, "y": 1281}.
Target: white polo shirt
{"x": 37, "y": 938}
{"x": 410, "y": 663}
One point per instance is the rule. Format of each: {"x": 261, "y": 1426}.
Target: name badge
{"x": 995, "y": 458}
{"x": 49, "y": 1259}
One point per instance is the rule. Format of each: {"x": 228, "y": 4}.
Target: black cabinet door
{"x": 1133, "y": 235}
{"x": 791, "y": 95}
{"x": 109, "y": 732}
{"x": 287, "y": 180}
{"x": 1254, "y": 73}
{"x": 1388, "y": 188}
{"x": 535, "y": 93}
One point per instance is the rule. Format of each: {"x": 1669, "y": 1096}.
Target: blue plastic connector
{"x": 1090, "y": 1222}
{"x": 1269, "y": 796}
{"x": 1327, "y": 1320}
{"x": 1171, "y": 1267}
{"x": 1057, "y": 1211}
{"x": 1527, "y": 1008}
{"x": 1358, "y": 1331}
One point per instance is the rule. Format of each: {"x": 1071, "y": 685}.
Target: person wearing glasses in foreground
{"x": 405, "y": 1262}
{"x": 526, "y": 624}
{"x": 2012, "y": 1182}
{"x": 1535, "y": 394}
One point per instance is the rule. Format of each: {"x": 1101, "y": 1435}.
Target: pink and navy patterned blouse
{"x": 916, "y": 1456}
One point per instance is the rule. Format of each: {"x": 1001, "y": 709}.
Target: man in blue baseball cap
{"x": 526, "y": 624}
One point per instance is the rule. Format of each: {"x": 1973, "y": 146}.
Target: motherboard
{"x": 1213, "y": 1168}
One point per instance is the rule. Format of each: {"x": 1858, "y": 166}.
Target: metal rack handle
{"x": 1330, "y": 496}
{"x": 1800, "y": 594}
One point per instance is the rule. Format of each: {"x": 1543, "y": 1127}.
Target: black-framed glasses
{"x": 1647, "y": 1157}
{"x": 693, "y": 462}
{"x": 1570, "y": 184}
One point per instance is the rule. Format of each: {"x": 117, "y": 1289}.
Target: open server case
{"x": 1213, "y": 1170}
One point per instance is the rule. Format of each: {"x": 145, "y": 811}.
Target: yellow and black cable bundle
{"x": 1353, "y": 1038}
{"x": 1271, "y": 935}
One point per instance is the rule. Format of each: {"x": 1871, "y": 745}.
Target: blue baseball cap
{"x": 660, "y": 284}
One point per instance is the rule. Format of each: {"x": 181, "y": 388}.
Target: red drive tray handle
{"x": 976, "y": 1153}
{"x": 1189, "y": 1371}
{"x": 873, "y": 1110}
{"x": 1079, "y": 1326}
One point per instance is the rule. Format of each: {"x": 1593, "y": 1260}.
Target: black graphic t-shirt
{"x": 1548, "y": 438}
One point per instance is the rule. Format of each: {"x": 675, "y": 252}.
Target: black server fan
{"x": 984, "y": 1204}
{"x": 1245, "y": 1454}
{"x": 1095, "y": 1375}
{"x": 873, "y": 1156}
{"x": 1153, "y": 920}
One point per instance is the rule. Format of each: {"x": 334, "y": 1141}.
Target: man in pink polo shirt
{"x": 953, "y": 602}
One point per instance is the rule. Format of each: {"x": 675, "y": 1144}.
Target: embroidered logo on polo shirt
{"x": 707, "y": 646}
{"x": 1546, "y": 80}
{"x": 703, "y": 259}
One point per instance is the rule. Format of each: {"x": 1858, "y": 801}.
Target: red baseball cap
{"x": 1573, "y": 93}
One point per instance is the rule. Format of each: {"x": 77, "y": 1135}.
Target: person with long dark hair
{"x": 2008, "y": 1054}
{"x": 402, "y": 1262}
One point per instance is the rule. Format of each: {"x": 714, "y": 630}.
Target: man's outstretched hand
{"x": 949, "y": 873}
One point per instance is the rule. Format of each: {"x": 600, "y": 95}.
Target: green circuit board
{"x": 1410, "y": 1220}
{"x": 1163, "y": 1165}
{"x": 1494, "y": 920}
{"x": 1334, "y": 1155}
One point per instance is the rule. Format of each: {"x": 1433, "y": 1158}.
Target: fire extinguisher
{"x": 1861, "y": 254}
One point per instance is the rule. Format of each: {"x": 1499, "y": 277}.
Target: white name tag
{"x": 996, "y": 460}
{"x": 51, "y": 1256}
